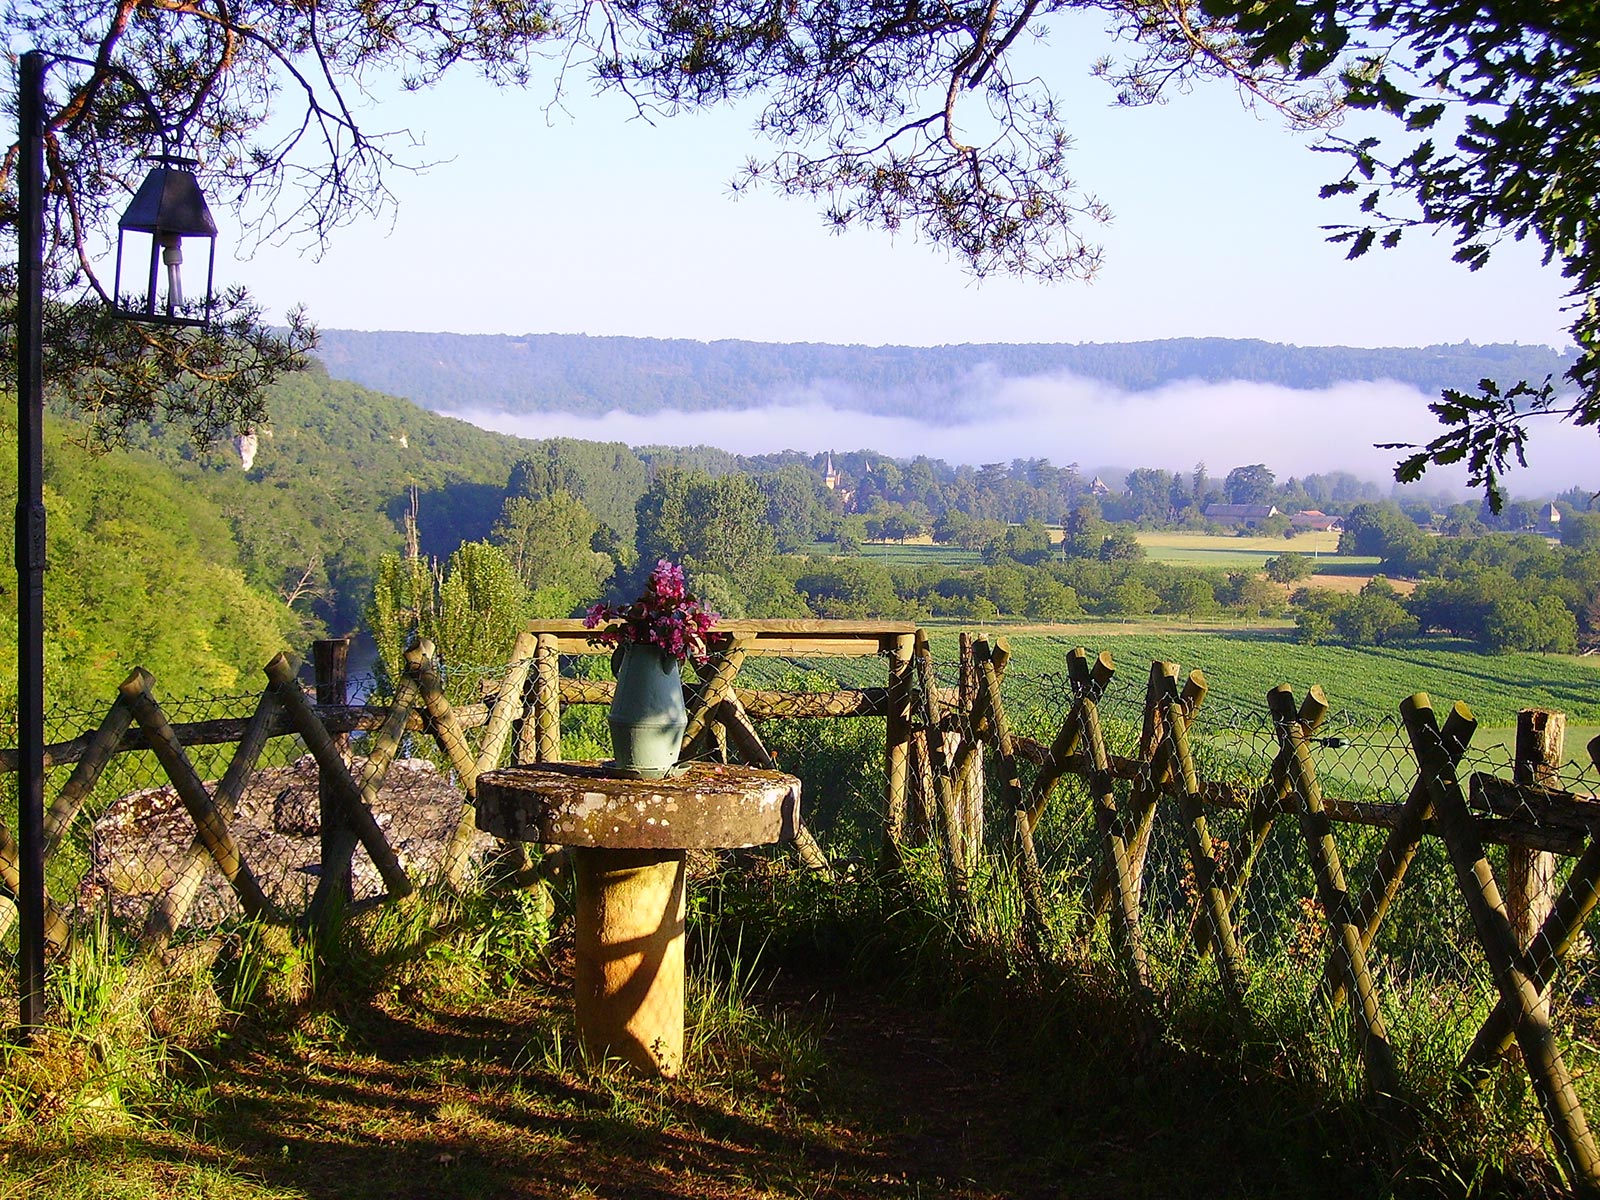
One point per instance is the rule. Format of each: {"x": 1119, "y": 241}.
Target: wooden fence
{"x": 941, "y": 744}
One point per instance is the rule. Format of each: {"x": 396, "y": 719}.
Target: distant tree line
{"x": 1501, "y": 591}
{"x": 449, "y": 372}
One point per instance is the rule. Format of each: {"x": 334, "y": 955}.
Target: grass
{"x": 1251, "y": 553}
{"x": 905, "y": 554}
{"x": 863, "y": 1052}
{"x": 1368, "y": 683}
{"x": 843, "y": 1039}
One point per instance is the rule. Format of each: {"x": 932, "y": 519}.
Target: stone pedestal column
{"x": 629, "y": 972}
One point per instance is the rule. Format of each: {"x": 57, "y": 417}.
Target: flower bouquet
{"x": 650, "y": 640}
{"x": 666, "y": 616}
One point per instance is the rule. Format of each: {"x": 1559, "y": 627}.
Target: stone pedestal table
{"x": 629, "y": 839}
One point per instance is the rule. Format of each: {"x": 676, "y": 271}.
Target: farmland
{"x": 1242, "y": 664}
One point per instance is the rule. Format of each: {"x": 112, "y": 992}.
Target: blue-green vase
{"x": 647, "y": 715}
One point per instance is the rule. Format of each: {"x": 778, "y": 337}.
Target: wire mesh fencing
{"x": 1217, "y": 822}
{"x": 1433, "y": 981}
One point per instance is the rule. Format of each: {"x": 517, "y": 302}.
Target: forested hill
{"x": 573, "y": 373}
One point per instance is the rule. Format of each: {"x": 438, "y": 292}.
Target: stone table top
{"x": 705, "y": 806}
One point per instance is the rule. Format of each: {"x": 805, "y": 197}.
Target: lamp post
{"x": 169, "y": 207}
{"x": 30, "y": 538}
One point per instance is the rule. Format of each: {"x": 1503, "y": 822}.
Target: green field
{"x": 909, "y": 554}
{"x": 1179, "y": 549}
{"x": 1242, "y": 665}
{"x": 1251, "y": 553}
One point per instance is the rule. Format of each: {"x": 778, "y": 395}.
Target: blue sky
{"x": 587, "y": 221}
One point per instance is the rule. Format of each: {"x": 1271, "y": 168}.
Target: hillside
{"x": 330, "y": 483}
{"x": 140, "y": 571}
{"x": 591, "y": 375}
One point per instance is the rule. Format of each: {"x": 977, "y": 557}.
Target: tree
{"x": 1492, "y": 139}
{"x": 1189, "y": 594}
{"x": 1249, "y": 485}
{"x": 1581, "y": 531}
{"x": 1379, "y": 530}
{"x": 1120, "y": 546}
{"x": 848, "y": 589}
{"x": 716, "y": 524}
{"x": 550, "y": 545}
{"x": 1312, "y": 626}
{"x": 793, "y": 508}
{"x": 1084, "y": 530}
{"x": 1373, "y": 618}
{"x": 1490, "y": 134}
{"x": 471, "y": 610}
{"x": 1290, "y": 567}
{"x": 728, "y": 528}
{"x": 1150, "y": 495}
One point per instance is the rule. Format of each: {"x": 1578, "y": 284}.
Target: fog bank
{"x": 1072, "y": 420}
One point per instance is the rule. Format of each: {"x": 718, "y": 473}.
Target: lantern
{"x": 170, "y": 208}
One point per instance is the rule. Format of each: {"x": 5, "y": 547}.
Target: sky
{"x": 588, "y": 219}
{"x": 591, "y": 221}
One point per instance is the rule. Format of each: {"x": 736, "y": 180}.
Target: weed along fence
{"x": 1401, "y": 914}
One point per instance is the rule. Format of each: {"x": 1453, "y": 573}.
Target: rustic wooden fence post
{"x": 1269, "y": 800}
{"x": 1088, "y": 685}
{"x": 356, "y": 799}
{"x": 971, "y": 779}
{"x": 1572, "y": 908}
{"x": 1400, "y": 847}
{"x": 547, "y": 699}
{"x": 1029, "y": 877}
{"x": 1540, "y": 1054}
{"x": 208, "y": 819}
{"x": 57, "y": 933}
{"x": 1058, "y": 761}
{"x": 330, "y": 658}
{"x": 422, "y": 666}
{"x": 942, "y": 773}
{"x": 700, "y": 735}
{"x": 1530, "y": 874}
{"x": 897, "y": 744}
{"x": 1156, "y": 753}
{"x": 1294, "y": 736}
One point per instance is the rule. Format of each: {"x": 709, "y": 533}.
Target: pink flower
{"x": 666, "y": 616}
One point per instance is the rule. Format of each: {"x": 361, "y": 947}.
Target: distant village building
{"x": 247, "y": 446}
{"x": 1549, "y": 519}
{"x": 1240, "y": 515}
{"x": 1316, "y": 519}
{"x": 830, "y": 477}
{"x": 1097, "y": 487}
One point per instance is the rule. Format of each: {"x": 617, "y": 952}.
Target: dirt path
{"x": 411, "y": 1100}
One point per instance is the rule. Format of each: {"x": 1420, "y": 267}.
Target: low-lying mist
{"x": 1072, "y": 420}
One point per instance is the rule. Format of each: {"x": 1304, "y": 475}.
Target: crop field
{"x": 1251, "y": 553}
{"x": 1179, "y": 549}
{"x": 918, "y": 553}
{"x": 1242, "y": 665}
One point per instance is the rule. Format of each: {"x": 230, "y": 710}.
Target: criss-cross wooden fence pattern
{"x": 137, "y": 722}
{"x": 722, "y": 715}
{"x": 520, "y": 712}
{"x": 1523, "y": 937}
{"x": 948, "y": 749}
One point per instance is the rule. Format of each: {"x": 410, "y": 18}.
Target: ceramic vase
{"x": 647, "y": 714}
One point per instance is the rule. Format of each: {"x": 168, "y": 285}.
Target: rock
{"x": 141, "y": 841}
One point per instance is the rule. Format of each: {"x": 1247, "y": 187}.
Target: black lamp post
{"x": 169, "y": 207}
